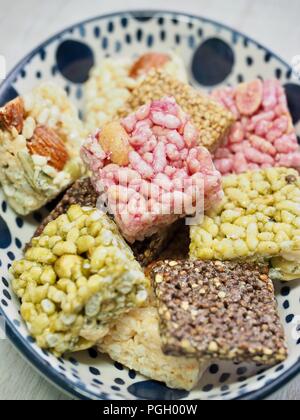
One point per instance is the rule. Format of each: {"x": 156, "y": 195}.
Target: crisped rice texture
{"x": 151, "y": 169}
{"x": 263, "y": 135}
{"x": 83, "y": 193}
{"x": 259, "y": 218}
{"x": 218, "y": 310}
{"x": 76, "y": 278}
{"x": 110, "y": 85}
{"x": 211, "y": 120}
{"x": 40, "y": 137}
{"x": 135, "y": 342}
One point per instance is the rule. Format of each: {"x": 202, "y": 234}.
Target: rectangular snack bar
{"x": 111, "y": 83}
{"x": 263, "y": 135}
{"x": 40, "y": 139}
{"x": 211, "y": 120}
{"x": 83, "y": 193}
{"x": 77, "y": 277}
{"x": 259, "y": 219}
{"x": 151, "y": 170}
{"x": 219, "y": 310}
{"x": 135, "y": 342}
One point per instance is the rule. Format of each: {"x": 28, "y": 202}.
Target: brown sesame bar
{"x": 211, "y": 119}
{"x": 83, "y": 193}
{"x": 219, "y": 310}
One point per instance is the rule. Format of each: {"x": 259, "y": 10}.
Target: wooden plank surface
{"x": 24, "y": 24}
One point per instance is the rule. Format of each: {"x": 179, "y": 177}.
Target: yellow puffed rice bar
{"x": 75, "y": 278}
{"x": 134, "y": 340}
{"x": 258, "y": 219}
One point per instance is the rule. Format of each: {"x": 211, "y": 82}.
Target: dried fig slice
{"x": 249, "y": 97}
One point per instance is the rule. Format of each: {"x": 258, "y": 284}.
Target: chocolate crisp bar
{"x": 221, "y": 310}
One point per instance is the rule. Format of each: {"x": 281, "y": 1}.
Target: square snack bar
{"x": 263, "y": 135}
{"x": 211, "y": 120}
{"x": 258, "y": 219}
{"x": 219, "y": 310}
{"x": 134, "y": 341}
{"x": 76, "y": 278}
{"x": 151, "y": 169}
{"x": 83, "y": 193}
{"x": 110, "y": 84}
{"x": 40, "y": 139}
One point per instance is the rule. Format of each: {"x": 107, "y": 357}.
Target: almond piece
{"x": 147, "y": 62}
{"x": 12, "y": 115}
{"x": 114, "y": 141}
{"x": 45, "y": 142}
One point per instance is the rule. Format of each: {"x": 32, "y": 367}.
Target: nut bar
{"x": 258, "y": 219}
{"x": 211, "y": 120}
{"x": 151, "y": 170}
{"x": 75, "y": 278}
{"x": 263, "y": 135}
{"x": 40, "y": 138}
{"x": 110, "y": 84}
{"x": 83, "y": 193}
{"x": 134, "y": 341}
{"x": 219, "y": 310}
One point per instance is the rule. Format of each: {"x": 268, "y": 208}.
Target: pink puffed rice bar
{"x": 263, "y": 135}
{"x": 151, "y": 169}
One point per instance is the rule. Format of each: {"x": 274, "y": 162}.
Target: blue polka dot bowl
{"x": 214, "y": 55}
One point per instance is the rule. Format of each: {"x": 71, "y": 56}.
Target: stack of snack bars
{"x": 154, "y": 294}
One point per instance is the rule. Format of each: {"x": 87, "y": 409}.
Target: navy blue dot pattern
{"x": 75, "y": 60}
{"x": 5, "y": 235}
{"x": 213, "y": 62}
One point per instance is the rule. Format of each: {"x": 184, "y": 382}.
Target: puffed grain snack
{"x": 40, "y": 138}
{"x": 134, "y": 341}
{"x": 75, "y": 278}
{"x": 111, "y": 83}
{"x": 210, "y": 119}
{"x": 218, "y": 310}
{"x": 151, "y": 169}
{"x": 83, "y": 193}
{"x": 263, "y": 135}
{"x": 259, "y": 219}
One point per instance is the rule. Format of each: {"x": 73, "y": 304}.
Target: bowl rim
{"x": 13, "y": 335}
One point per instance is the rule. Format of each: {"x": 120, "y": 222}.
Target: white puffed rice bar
{"x": 40, "y": 137}
{"x": 135, "y": 342}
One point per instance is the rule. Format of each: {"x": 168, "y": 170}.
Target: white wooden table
{"x": 24, "y": 24}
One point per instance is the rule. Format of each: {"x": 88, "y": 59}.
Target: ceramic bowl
{"x": 214, "y": 55}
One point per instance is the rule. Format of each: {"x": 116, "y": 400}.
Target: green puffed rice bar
{"x": 75, "y": 278}
{"x": 258, "y": 219}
